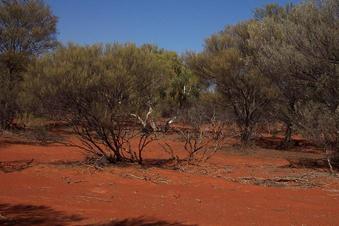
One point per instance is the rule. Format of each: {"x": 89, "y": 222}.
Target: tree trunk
{"x": 140, "y": 160}
{"x": 245, "y": 136}
{"x": 117, "y": 156}
{"x": 287, "y": 142}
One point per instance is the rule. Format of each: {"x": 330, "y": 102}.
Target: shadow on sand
{"x": 140, "y": 222}
{"x": 15, "y": 166}
{"x": 34, "y": 215}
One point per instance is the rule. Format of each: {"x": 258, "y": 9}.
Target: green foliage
{"x": 96, "y": 88}
{"x": 27, "y": 29}
{"x": 8, "y": 105}
{"x": 321, "y": 69}
{"x": 298, "y": 52}
{"x": 273, "y": 60}
{"x": 228, "y": 62}
{"x": 319, "y": 124}
{"x": 119, "y": 75}
{"x": 273, "y": 11}
{"x": 181, "y": 86}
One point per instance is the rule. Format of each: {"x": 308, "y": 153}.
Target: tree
{"x": 312, "y": 30}
{"x": 228, "y": 62}
{"x": 299, "y": 52}
{"x": 181, "y": 88}
{"x": 27, "y": 29}
{"x": 97, "y": 89}
{"x": 273, "y": 11}
{"x": 274, "y": 62}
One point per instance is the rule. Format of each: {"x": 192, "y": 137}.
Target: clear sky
{"x": 178, "y": 25}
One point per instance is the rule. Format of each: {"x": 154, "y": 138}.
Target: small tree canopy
{"x": 27, "y": 29}
{"x": 228, "y": 62}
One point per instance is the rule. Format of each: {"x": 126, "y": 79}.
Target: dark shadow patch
{"x": 295, "y": 145}
{"x": 28, "y": 142}
{"x": 17, "y": 142}
{"x": 102, "y": 163}
{"x": 34, "y": 215}
{"x": 161, "y": 163}
{"x": 32, "y": 136}
{"x": 67, "y": 163}
{"x": 312, "y": 163}
{"x": 299, "y": 181}
{"x": 15, "y": 166}
{"x": 141, "y": 222}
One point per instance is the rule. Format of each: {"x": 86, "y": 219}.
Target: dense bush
{"x": 228, "y": 63}
{"x": 298, "y": 50}
{"x": 27, "y": 29}
{"x": 95, "y": 89}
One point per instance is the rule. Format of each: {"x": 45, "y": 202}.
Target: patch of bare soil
{"x": 55, "y": 185}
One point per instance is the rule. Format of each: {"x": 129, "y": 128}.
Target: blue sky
{"x": 178, "y": 25}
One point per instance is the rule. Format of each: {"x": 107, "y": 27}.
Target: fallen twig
{"x": 156, "y": 180}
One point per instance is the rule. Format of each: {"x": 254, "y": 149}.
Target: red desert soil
{"x": 50, "y": 185}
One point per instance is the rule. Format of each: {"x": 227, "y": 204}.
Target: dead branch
{"x": 201, "y": 142}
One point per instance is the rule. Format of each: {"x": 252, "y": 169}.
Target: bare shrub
{"x": 203, "y": 136}
{"x": 148, "y": 133}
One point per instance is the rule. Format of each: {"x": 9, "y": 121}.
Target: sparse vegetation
{"x": 275, "y": 68}
{"x": 203, "y": 135}
{"x": 133, "y": 134}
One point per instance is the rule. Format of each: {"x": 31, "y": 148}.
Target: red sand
{"x": 56, "y": 190}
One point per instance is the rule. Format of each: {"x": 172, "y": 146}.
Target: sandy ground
{"x": 50, "y": 185}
